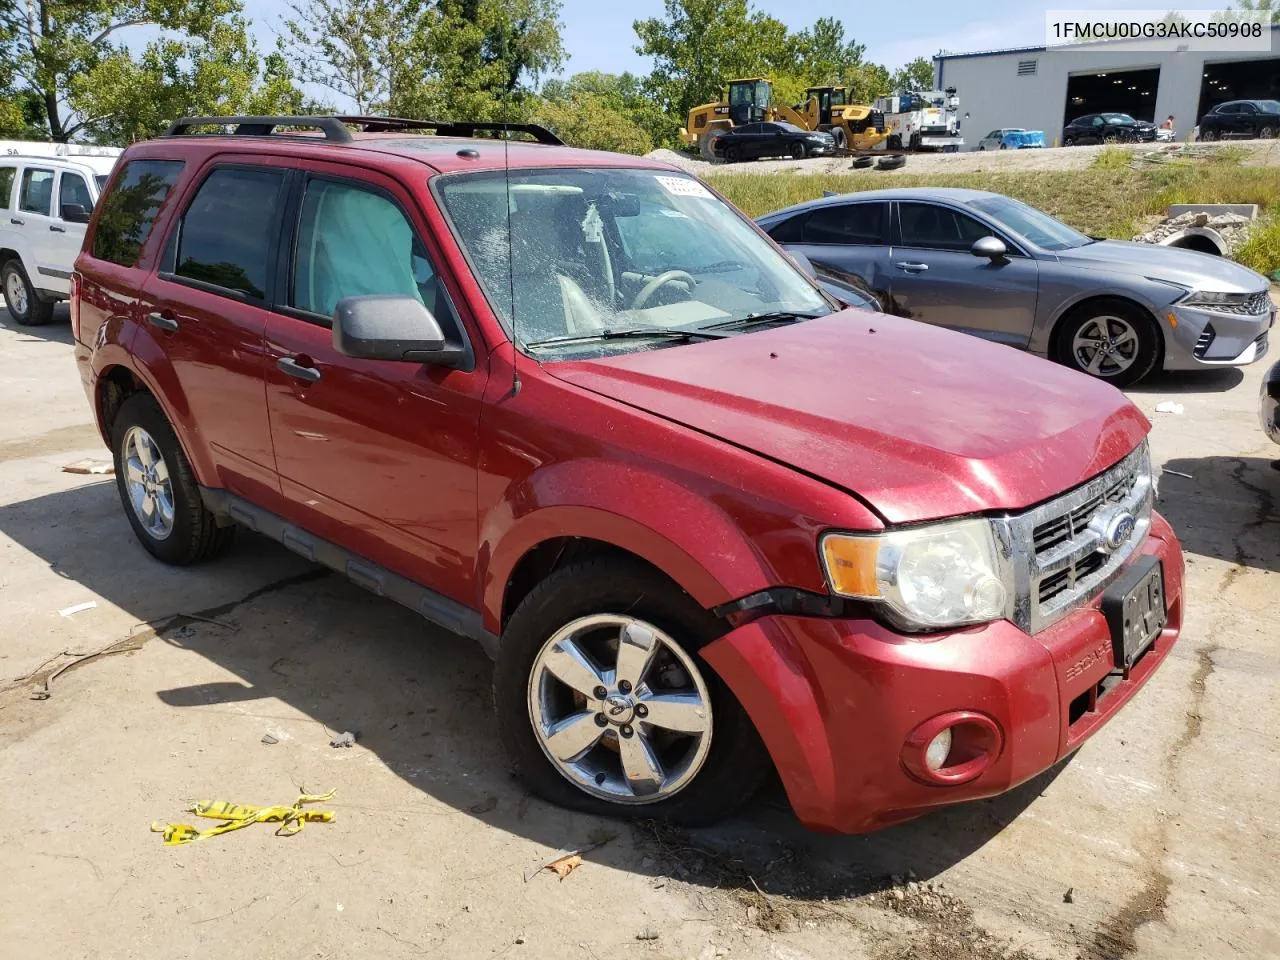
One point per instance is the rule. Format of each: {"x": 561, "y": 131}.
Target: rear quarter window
{"x": 129, "y": 211}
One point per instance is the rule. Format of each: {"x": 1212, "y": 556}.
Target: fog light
{"x": 938, "y": 751}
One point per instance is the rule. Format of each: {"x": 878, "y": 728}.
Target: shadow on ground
{"x": 57, "y": 330}
{"x": 1216, "y": 380}
{"x": 419, "y": 698}
{"x": 1225, "y": 507}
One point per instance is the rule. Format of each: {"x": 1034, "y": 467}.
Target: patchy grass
{"x": 1112, "y": 158}
{"x": 1261, "y": 249}
{"x": 1109, "y": 202}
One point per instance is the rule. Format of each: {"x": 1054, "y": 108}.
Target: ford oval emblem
{"x": 1114, "y": 527}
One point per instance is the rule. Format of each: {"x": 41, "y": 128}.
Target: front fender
{"x": 685, "y": 535}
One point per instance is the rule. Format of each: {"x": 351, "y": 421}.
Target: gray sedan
{"x": 994, "y": 267}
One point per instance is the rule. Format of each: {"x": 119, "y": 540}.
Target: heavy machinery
{"x": 922, "y": 121}
{"x": 854, "y": 126}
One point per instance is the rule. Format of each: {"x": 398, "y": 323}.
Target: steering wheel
{"x": 657, "y": 283}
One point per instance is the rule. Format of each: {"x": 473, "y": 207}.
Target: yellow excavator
{"x": 855, "y": 127}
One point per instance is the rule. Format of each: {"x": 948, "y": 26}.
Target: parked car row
{"x": 700, "y": 512}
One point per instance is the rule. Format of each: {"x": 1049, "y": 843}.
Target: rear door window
{"x": 227, "y": 233}
{"x": 860, "y": 224}
{"x": 37, "y": 191}
{"x": 130, "y": 210}
{"x": 933, "y": 227}
{"x": 790, "y": 230}
{"x": 7, "y": 176}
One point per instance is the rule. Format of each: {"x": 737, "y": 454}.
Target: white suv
{"x": 47, "y": 201}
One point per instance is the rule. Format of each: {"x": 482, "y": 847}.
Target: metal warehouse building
{"x": 1041, "y": 88}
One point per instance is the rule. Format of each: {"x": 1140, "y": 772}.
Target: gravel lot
{"x": 1258, "y": 153}
{"x": 1158, "y": 839}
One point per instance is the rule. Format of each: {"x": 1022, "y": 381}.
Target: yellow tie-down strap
{"x": 238, "y": 815}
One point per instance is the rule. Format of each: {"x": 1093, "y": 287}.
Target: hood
{"x": 1189, "y": 268}
{"x": 918, "y": 422}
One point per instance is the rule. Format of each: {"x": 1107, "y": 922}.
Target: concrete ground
{"x": 1158, "y": 839}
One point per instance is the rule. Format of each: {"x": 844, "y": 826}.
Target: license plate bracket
{"x": 1134, "y": 606}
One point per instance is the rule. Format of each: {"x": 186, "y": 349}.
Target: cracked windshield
{"x": 611, "y": 260}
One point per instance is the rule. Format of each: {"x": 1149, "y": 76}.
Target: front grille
{"x": 1061, "y": 557}
{"x": 1204, "y": 342}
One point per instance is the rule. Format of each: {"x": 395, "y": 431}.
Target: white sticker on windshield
{"x": 593, "y": 226}
{"x": 684, "y": 187}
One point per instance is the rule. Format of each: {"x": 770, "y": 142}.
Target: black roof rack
{"x": 335, "y": 128}
{"x": 332, "y": 127}
{"x": 451, "y": 128}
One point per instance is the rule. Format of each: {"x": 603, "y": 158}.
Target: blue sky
{"x": 598, "y": 35}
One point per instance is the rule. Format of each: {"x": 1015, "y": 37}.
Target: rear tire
{"x": 1111, "y": 340}
{"x": 702, "y": 781}
{"x": 894, "y": 142}
{"x": 706, "y": 144}
{"x": 25, "y": 305}
{"x": 841, "y": 139}
{"x": 162, "y": 499}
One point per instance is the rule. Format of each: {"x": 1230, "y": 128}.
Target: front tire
{"x": 798, "y": 151}
{"x": 1111, "y": 340}
{"x": 25, "y": 305}
{"x": 1267, "y": 133}
{"x": 605, "y": 706}
{"x": 158, "y": 490}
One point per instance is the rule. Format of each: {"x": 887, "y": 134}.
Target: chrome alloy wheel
{"x": 1105, "y": 346}
{"x": 620, "y": 709}
{"x": 147, "y": 480}
{"x": 16, "y": 290}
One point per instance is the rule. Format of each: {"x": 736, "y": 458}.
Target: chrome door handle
{"x": 294, "y": 369}
{"x": 911, "y": 267}
{"x": 57, "y": 229}
{"x": 162, "y": 322}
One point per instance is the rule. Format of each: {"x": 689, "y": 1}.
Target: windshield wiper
{"x": 668, "y": 333}
{"x": 778, "y": 316}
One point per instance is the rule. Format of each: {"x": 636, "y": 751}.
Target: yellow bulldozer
{"x": 855, "y": 127}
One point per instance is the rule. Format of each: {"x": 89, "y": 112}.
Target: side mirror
{"x": 992, "y": 248}
{"x": 391, "y": 327}
{"x": 74, "y": 213}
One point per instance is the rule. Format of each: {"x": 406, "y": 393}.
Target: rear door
{"x": 847, "y": 241}
{"x": 1246, "y": 120}
{"x": 377, "y": 456}
{"x": 936, "y": 279}
{"x": 34, "y": 219}
{"x": 207, "y": 309}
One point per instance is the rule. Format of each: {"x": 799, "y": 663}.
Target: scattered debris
{"x": 236, "y": 816}
{"x": 75, "y": 608}
{"x": 485, "y": 805}
{"x": 116, "y": 646}
{"x": 1177, "y": 473}
{"x": 565, "y": 865}
{"x": 519, "y": 941}
{"x": 1070, "y": 895}
{"x": 1225, "y": 231}
{"x": 270, "y": 738}
{"x": 648, "y": 933}
{"x": 347, "y": 739}
{"x": 1170, "y": 406}
{"x": 96, "y": 467}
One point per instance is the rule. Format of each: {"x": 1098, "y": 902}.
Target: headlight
{"x": 927, "y": 578}
{"x": 1210, "y": 299}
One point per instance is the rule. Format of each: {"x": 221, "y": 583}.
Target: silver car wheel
{"x": 620, "y": 709}
{"x": 1105, "y": 346}
{"x": 146, "y": 478}
{"x": 16, "y": 291}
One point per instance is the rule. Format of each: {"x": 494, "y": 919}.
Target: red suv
{"x": 577, "y": 407}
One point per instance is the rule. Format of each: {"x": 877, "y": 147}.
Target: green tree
{"x": 700, "y": 45}
{"x": 589, "y": 121}
{"x": 823, "y": 55}
{"x": 866, "y": 81}
{"x": 1261, "y": 6}
{"x": 67, "y": 51}
{"x": 915, "y": 76}
{"x": 126, "y": 99}
{"x": 622, "y": 93}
